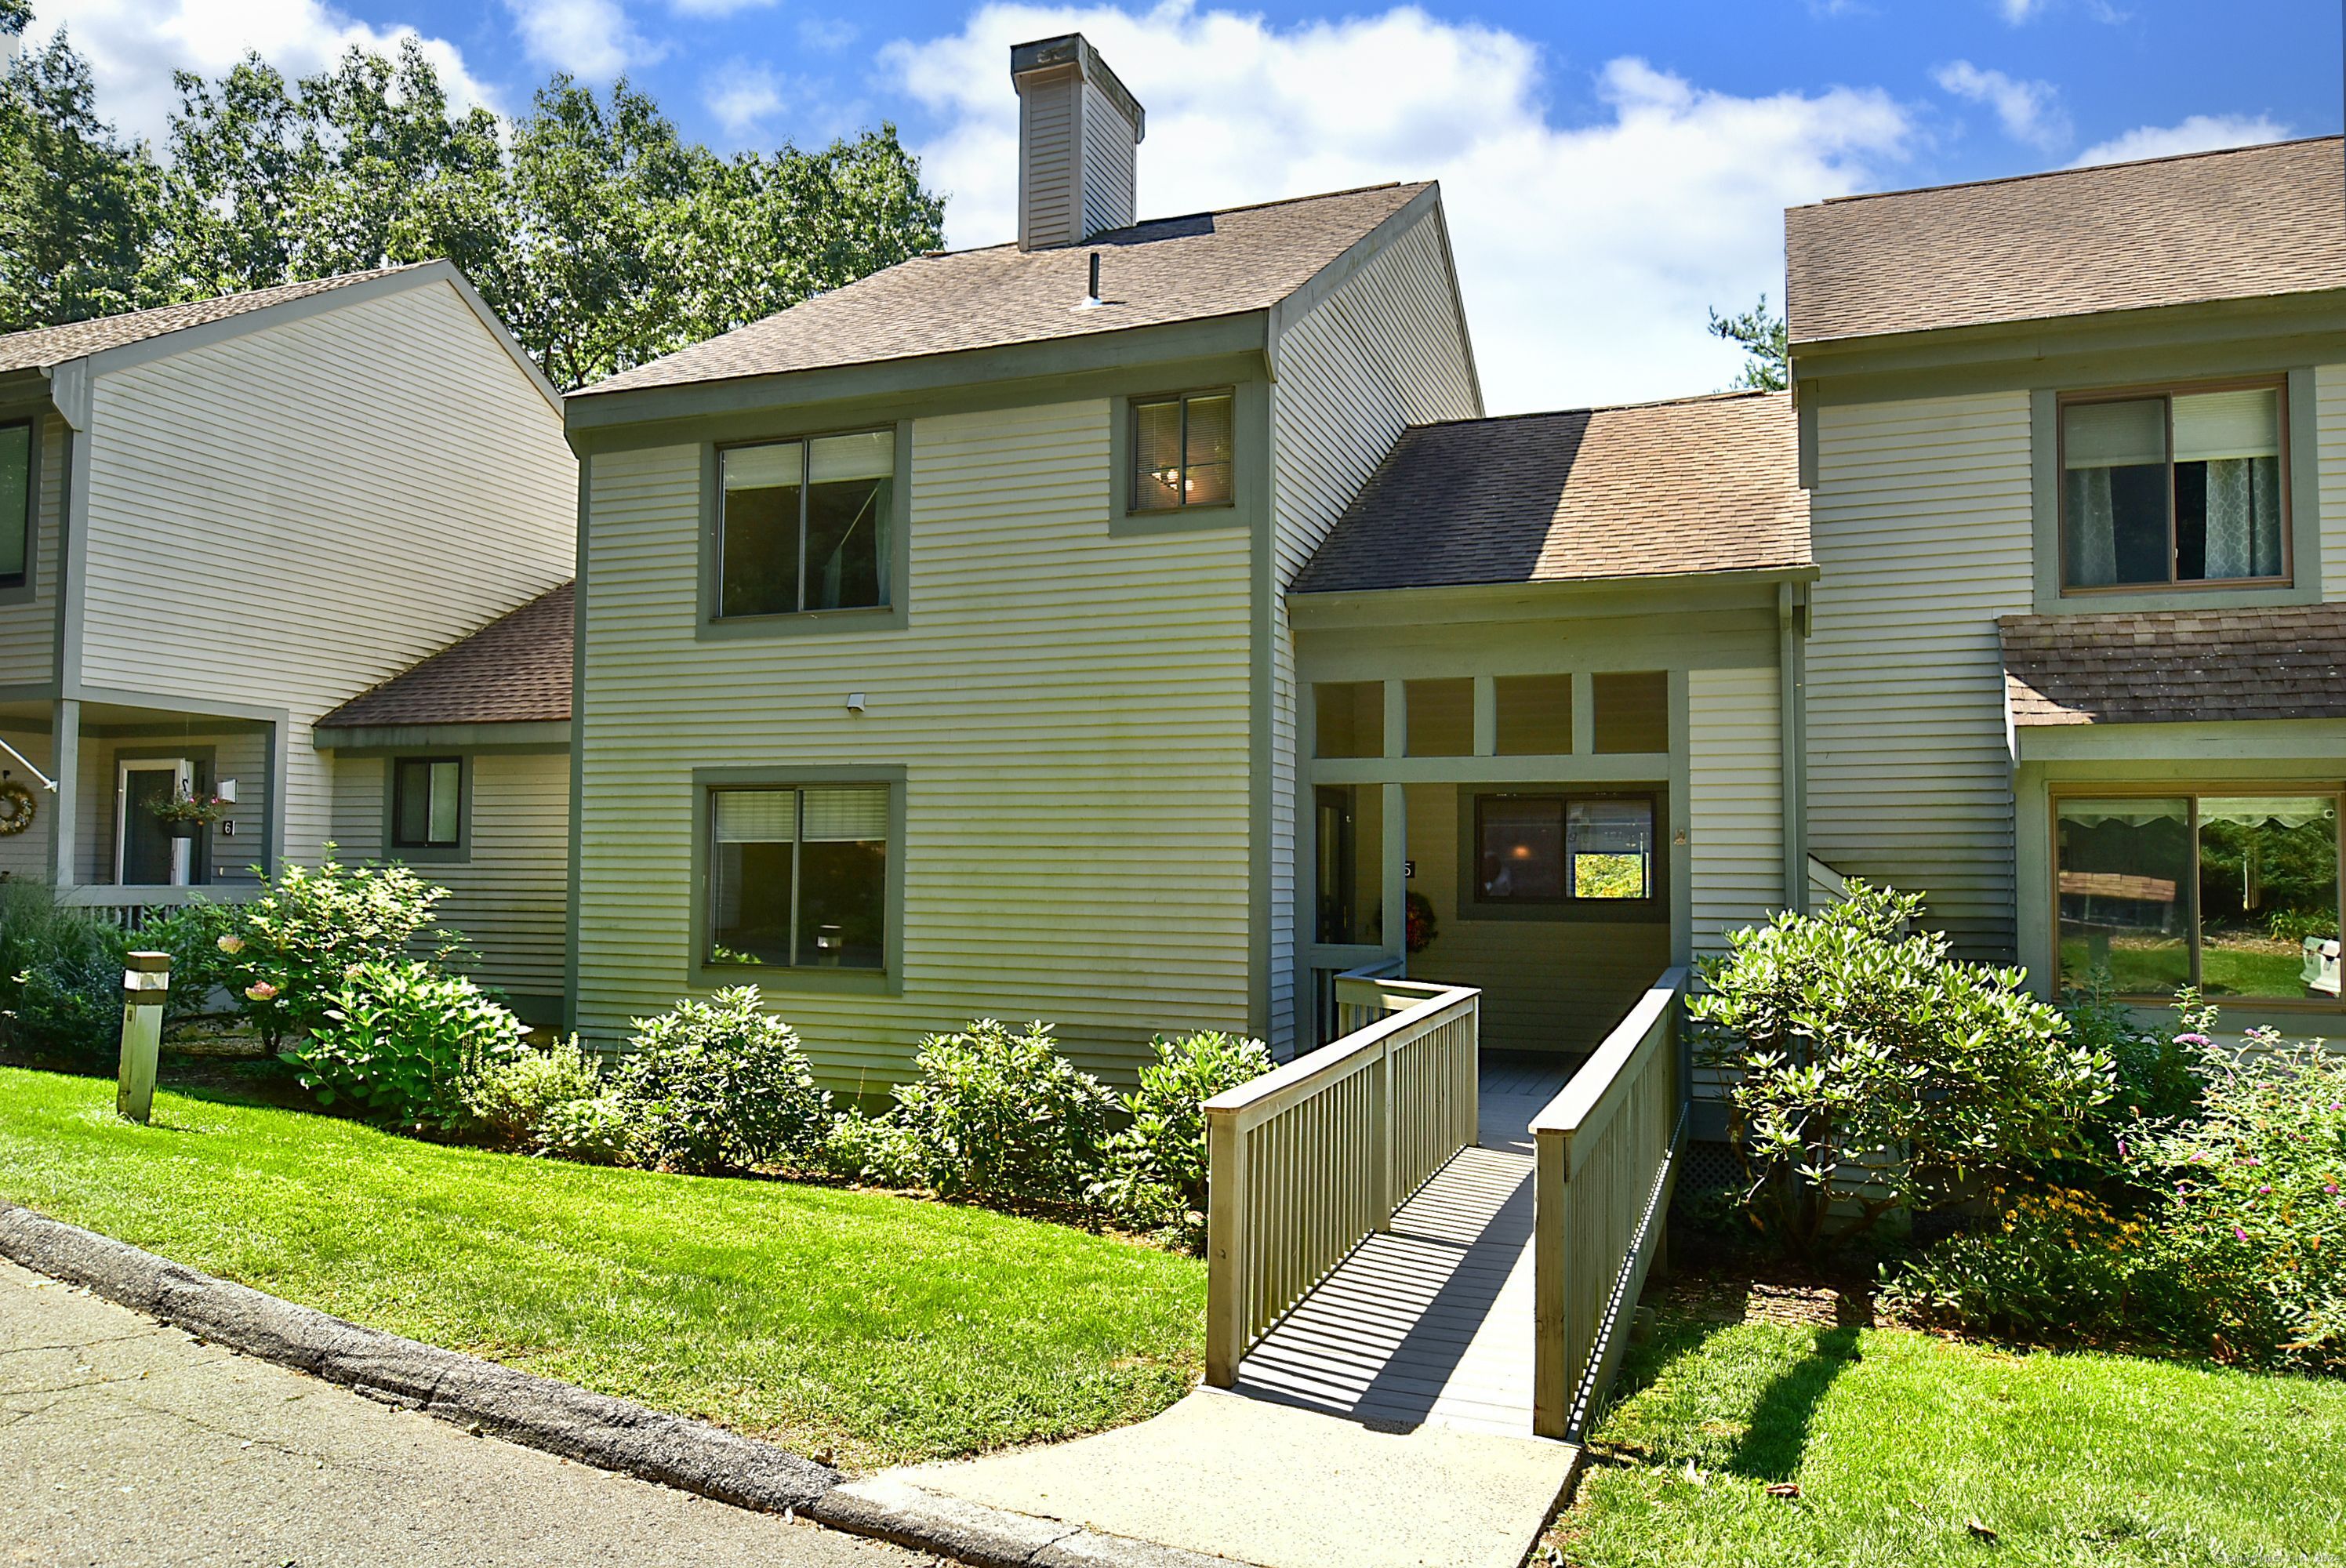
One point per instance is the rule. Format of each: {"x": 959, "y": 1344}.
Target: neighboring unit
{"x": 218, "y": 522}
{"x": 2077, "y": 452}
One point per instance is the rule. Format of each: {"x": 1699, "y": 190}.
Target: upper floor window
{"x": 2174, "y": 488}
{"x": 802, "y": 524}
{"x": 1181, "y": 452}
{"x": 16, "y": 501}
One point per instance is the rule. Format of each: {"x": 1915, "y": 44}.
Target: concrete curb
{"x": 989, "y": 1537}
{"x": 491, "y": 1399}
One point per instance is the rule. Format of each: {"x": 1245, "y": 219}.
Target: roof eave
{"x": 1370, "y": 606}
{"x": 465, "y": 735}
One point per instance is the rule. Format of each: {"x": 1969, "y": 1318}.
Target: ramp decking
{"x": 1430, "y": 1322}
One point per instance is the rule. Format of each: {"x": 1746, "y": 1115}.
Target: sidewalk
{"x": 125, "y": 1442}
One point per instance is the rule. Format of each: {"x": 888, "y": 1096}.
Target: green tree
{"x": 78, "y": 204}
{"x": 1766, "y": 344}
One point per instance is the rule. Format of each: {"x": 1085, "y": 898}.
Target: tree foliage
{"x": 599, "y": 234}
{"x": 1767, "y": 346}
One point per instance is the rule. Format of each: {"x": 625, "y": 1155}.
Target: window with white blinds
{"x": 2171, "y": 489}
{"x": 798, "y": 876}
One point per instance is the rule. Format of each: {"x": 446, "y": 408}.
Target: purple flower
{"x": 2239, "y": 1232}
{"x": 2194, "y": 1038}
{"x": 2264, "y": 1189}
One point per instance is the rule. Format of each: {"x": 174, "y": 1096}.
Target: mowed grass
{"x": 1900, "y": 1442}
{"x": 881, "y": 1330}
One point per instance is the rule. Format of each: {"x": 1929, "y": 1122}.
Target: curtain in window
{"x": 2237, "y": 435}
{"x": 2093, "y": 529}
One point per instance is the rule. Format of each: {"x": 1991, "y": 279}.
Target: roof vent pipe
{"x": 1091, "y": 294}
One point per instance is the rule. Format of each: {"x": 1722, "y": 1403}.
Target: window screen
{"x": 1181, "y": 452}
{"x": 427, "y": 802}
{"x": 799, "y": 875}
{"x": 804, "y": 523}
{"x": 16, "y": 501}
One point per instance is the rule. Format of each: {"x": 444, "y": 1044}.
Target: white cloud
{"x": 741, "y": 97}
{"x": 1588, "y": 254}
{"x": 591, "y": 39}
{"x": 2031, "y": 111}
{"x": 715, "y": 7}
{"x": 2201, "y": 132}
{"x": 133, "y": 46}
{"x": 826, "y": 33}
{"x": 2017, "y": 12}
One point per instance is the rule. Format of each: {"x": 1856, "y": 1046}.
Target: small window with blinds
{"x": 1181, "y": 448}
{"x": 803, "y": 524}
{"x": 2174, "y": 489}
{"x": 798, "y": 876}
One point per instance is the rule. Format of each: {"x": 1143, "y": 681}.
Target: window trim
{"x": 17, "y": 587}
{"x": 885, "y": 981}
{"x": 895, "y": 564}
{"x": 2278, "y": 382}
{"x": 1249, "y": 460}
{"x": 2058, "y": 793}
{"x": 455, "y": 854}
{"x": 1132, "y": 407}
{"x": 1652, "y": 909}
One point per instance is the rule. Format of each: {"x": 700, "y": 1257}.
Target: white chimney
{"x": 1079, "y": 139}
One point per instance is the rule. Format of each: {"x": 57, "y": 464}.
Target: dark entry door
{"x": 147, "y": 852}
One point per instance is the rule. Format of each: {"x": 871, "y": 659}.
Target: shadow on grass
{"x": 1778, "y": 1434}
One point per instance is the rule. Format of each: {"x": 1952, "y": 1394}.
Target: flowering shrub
{"x": 721, "y": 1085}
{"x": 1875, "y": 1073}
{"x": 2057, "y": 1261}
{"x": 403, "y": 1040}
{"x": 283, "y": 955}
{"x": 2251, "y": 1241}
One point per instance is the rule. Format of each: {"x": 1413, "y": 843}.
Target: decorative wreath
{"x": 16, "y": 807}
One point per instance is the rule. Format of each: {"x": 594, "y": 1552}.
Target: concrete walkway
{"x": 1385, "y": 1422}
{"x": 124, "y": 1442}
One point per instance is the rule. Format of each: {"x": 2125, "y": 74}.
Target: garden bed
{"x": 869, "y": 1328}
{"x": 1766, "y": 1423}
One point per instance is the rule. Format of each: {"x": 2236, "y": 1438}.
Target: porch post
{"x": 64, "y": 767}
{"x": 1393, "y": 893}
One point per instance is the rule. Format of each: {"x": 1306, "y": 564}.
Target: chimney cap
{"x": 1075, "y": 49}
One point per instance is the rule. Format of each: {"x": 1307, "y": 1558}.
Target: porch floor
{"x": 1430, "y": 1322}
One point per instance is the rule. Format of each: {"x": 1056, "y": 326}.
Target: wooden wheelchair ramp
{"x": 1430, "y": 1321}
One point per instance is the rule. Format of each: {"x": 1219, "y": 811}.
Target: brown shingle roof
{"x": 1699, "y": 484}
{"x": 2240, "y": 224}
{"x": 515, "y": 670}
{"x": 41, "y": 347}
{"x": 1166, "y": 269}
{"x": 2170, "y": 667}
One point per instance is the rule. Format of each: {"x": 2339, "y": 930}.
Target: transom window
{"x": 1181, "y": 452}
{"x": 803, "y": 522}
{"x": 799, "y": 875}
{"x": 2174, "y": 488}
{"x": 16, "y": 501}
{"x": 2235, "y": 893}
{"x": 427, "y": 802}
{"x": 1564, "y": 848}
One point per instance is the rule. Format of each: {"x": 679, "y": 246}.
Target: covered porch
{"x": 87, "y": 790}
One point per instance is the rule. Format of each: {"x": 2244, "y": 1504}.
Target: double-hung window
{"x": 798, "y": 876}
{"x": 1181, "y": 450}
{"x": 2174, "y": 489}
{"x": 803, "y": 524}
{"x": 2235, "y": 893}
{"x": 15, "y": 502}
{"x": 427, "y": 803}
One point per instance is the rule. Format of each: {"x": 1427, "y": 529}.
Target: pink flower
{"x": 2264, "y": 1189}
{"x": 231, "y": 944}
{"x": 2199, "y": 1040}
{"x": 2239, "y": 1232}
{"x": 260, "y": 991}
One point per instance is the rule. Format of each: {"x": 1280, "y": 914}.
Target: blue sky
{"x": 1608, "y": 169}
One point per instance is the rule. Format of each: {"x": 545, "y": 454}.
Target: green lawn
{"x": 881, "y": 1328}
{"x": 2231, "y": 964}
{"x": 1898, "y": 1442}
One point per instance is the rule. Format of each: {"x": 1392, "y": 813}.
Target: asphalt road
{"x": 125, "y": 1442}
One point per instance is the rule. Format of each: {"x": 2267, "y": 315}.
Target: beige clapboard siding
{"x": 1070, "y": 709}
{"x": 319, "y": 503}
{"x": 1735, "y": 801}
{"x": 28, "y": 631}
{"x": 1921, "y": 527}
{"x": 1108, "y": 163}
{"x": 1047, "y": 154}
{"x": 1383, "y": 350}
{"x": 2330, "y": 424}
{"x": 510, "y": 897}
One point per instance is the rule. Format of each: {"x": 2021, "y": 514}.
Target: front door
{"x": 145, "y": 854}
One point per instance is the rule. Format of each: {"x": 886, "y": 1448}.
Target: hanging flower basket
{"x": 187, "y": 816}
